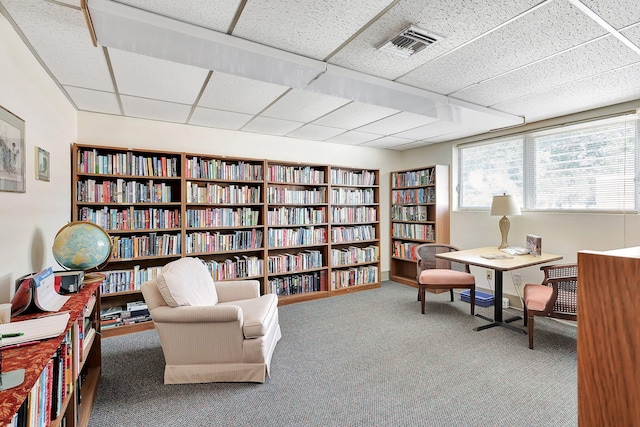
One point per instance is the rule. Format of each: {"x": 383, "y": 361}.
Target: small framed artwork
{"x": 42, "y": 164}
{"x": 12, "y": 152}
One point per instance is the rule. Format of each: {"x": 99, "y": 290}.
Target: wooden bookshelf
{"x": 419, "y": 214}
{"x": 79, "y": 363}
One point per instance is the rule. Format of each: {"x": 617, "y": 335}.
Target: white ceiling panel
{"x": 602, "y": 55}
{"x": 429, "y": 131}
{"x": 355, "y": 115}
{"x": 219, "y": 118}
{"x": 545, "y": 31}
{"x": 155, "y": 110}
{"x": 386, "y": 142}
{"x": 353, "y": 137}
{"x": 60, "y": 36}
{"x": 295, "y": 25}
{"x": 397, "y": 123}
{"x": 212, "y": 14}
{"x": 456, "y": 21}
{"x": 271, "y": 126}
{"x": 303, "y": 106}
{"x": 154, "y": 78}
{"x": 315, "y": 132}
{"x": 239, "y": 94}
{"x": 615, "y": 86}
{"x": 94, "y": 100}
{"x": 618, "y": 13}
{"x": 633, "y": 34}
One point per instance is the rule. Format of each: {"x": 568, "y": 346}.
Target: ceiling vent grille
{"x": 410, "y": 41}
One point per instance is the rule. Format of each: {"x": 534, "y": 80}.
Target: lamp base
{"x": 504, "y": 226}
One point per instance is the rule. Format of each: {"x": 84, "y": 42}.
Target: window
{"x": 583, "y": 167}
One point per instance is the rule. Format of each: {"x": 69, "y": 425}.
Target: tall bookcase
{"x": 419, "y": 214}
{"x": 305, "y": 231}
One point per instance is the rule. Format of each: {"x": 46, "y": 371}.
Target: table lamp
{"x": 504, "y": 205}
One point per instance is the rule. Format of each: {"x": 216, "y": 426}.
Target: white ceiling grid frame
{"x": 535, "y": 35}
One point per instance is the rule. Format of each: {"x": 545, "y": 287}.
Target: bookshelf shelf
{"x": 236, "y": 214}
{"x": 419, "y": 214}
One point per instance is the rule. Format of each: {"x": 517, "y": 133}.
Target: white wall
{"x": 29, "y": 221}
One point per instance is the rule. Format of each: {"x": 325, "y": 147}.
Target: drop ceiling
{"x": 313, "y": 70}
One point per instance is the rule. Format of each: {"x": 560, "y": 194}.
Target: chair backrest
{"x": 426, "y": 258}
{"x": 563, "y": 278}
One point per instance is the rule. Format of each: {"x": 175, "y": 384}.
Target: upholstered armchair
{"x": 222, "y": 332}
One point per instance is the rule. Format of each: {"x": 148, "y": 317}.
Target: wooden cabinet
{"x": 419, "y": 214}
{"x": 608, "y": 338}
{"x": 61, "y": 373}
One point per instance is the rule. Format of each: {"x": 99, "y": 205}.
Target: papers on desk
{"x": 495, "y": 256}
{"x": 39, "y": 328}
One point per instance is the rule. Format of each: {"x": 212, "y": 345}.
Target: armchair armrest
{"x": 200, "y": 314}
{"x": 237, "y": 290}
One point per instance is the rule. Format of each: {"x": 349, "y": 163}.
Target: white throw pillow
{"x": 187, "y": 282}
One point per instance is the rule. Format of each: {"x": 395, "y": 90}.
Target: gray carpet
{"x": 365, "y": 359}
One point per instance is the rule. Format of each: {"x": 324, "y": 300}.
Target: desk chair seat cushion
{"x": 446, "y": 277}
{"x": 187, "y": 282}
{"x": 536, "y": 297}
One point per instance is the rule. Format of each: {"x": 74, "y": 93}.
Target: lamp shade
{"x": 505, "y": 205}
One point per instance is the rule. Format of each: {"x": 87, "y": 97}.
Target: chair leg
{"x": 451, "y": 293}
{"x": 422, "y": 298}
{"x": 526, "y": 315}
{"x": 419, "y": 293}
{"x": 472, "y": 300}
{"x": 530, "y": 332}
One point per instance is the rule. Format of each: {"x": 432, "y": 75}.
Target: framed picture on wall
{"x": 42, "y": 164}
{"x": 12, "y": 152}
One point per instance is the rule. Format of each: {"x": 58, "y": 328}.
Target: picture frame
{"x": 12, "y": 152}
{"x": 42, "y": 164}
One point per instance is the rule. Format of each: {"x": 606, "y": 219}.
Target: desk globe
{"x": 82, "y": 245}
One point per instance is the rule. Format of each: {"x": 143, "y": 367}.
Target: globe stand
{"x": 93, "y": 277}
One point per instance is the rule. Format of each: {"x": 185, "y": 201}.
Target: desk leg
{"x": 497, "y": 310}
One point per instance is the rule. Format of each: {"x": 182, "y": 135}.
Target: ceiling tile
{"x": 61, "y": 38}
{"x": 429, "y": 131}
{"x": 304, "y": 106}
{"x": 213, "y": 14}
{"x": 397, "y": 123}
{"x": 456, "y": 21}
{"x": 599, "y": 56}
{"x": 153, "y": 78}
{"x": 353, "y": 137}
{"x": 354, "y": 115}
{"x": 618, "y": 13}
{"x": 552, "y": 28}
{"x": 271, "y": 126}
{"x": 239, "y": 94}
{"x": 155, "y": 110}
{"x": 315, "y": 132}
{"x": 219, "y": 118}
{"x": 633, "y": 34}
{"x": 386, "y": 142}
{"x": 308, "y": 27}
{"x": 94, "y": 100}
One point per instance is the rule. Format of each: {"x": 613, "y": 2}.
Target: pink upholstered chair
{"x": 436, "y": 274}
{"x": 556, "y": 297}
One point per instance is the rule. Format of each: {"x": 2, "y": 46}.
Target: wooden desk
{"x": 473, "y": 257}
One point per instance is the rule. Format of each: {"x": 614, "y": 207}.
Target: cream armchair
{"x": 222, "y": 332}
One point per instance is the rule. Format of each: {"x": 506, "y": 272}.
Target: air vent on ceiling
{"x": 410, "y": 41}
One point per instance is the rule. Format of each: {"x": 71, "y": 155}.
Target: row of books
{"x": 347, "y": 215}
{"x": 300, "y": 197}
{"x": 296, "y": 216}
{"x": 292, "y": 262}
{"x": 298, "y": 283}
{"x": 413, "y": 231}
{"x": 131, "y": 218}
{"x": 196, "y": 167}
{"x": 413, "y": 196}
{"x": 217, "y": 193}
{"x": 236, "y": 268}
{"x": 295, "y": 174}
{"x": 409, "y": 213}
{"x": 133, "y": 312}
{"x": 350, "y": 196}
{"x": 404, "y": 250}
{"x": 352, "y": 234}
{"x": 284, "y": 237}
{"x": 354, "y": 255}
{"x": 201, "y": 242}
{"x": 413, "y": 178}
{"x": 222, "y": 217}
{"x": 121, "y": 191}
{"x": 127, "y": 280}
{"x": 89, "y": 161}
{"x": 354, "y": 276}
{"x": 350, "y": 177}
{"x": 145, "y": 246}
